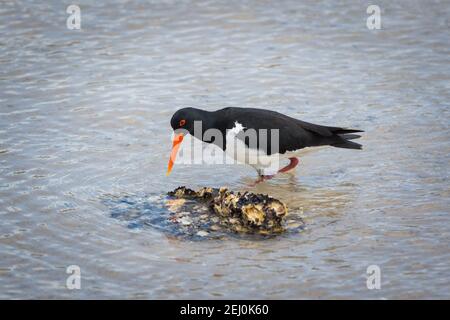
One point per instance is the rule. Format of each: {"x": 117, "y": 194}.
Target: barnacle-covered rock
{"x": 182, "y": 192}
{"x": 253, "y": 211}
{"x": 240, "y": 212}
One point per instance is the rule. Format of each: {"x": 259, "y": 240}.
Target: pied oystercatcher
{"x": 233, "y": 124}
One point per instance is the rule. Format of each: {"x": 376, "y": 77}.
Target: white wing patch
{"x": 238, "y": 127}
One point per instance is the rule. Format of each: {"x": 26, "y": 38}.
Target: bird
{"x": 258, "y": 137}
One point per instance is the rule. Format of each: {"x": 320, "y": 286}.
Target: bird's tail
{"x": 347, "y": 145}
{"x": 344, "y": 138}
{"x": 349, "y": 136}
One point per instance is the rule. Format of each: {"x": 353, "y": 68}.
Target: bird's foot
{"x": 262, "y": 178}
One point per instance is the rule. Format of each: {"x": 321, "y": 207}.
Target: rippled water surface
{"x": 84, "y": 117}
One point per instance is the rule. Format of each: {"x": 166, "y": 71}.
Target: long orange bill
{"x": 175, "y": 146}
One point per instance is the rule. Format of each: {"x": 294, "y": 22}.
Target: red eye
{"x": 182, "y": 122}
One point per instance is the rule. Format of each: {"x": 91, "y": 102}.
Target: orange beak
{"x": 175, "y": 146}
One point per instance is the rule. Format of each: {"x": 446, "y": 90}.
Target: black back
{"x": 293, "y": 134}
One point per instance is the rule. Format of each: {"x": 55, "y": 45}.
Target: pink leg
{"x": 294, "y": 162}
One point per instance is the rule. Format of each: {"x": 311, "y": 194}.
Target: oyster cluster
{"x": 241, "y": 212}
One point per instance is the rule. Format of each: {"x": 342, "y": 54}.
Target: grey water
{"x": 84, "y": 116}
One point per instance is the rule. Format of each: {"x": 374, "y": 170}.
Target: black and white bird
{"x": 257, "y": 137}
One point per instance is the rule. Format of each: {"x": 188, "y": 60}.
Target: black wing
{"x": 293, "y": 134}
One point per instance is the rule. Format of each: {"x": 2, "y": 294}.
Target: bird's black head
{"x": 184, "y": 119}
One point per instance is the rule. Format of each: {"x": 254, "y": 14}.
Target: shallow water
{"x": 84, "y": 116}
